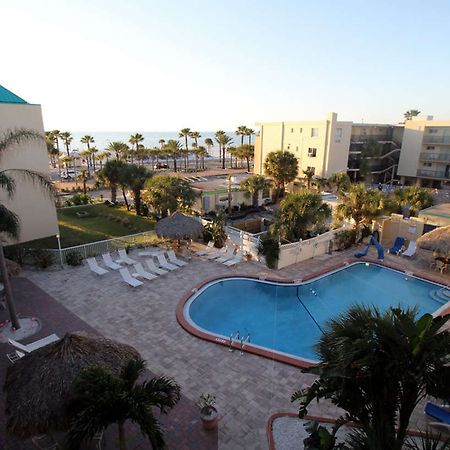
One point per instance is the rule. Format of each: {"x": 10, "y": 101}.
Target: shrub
{"x": 42, "y": 258}
{"x": 269, "y": 247}
{"x": 73, "y": 259}
{"x": 344, "y": 239}
{"x": 16, "y": 253}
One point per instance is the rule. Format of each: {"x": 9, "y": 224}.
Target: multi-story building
{"x": 36, "y": 212}
{"x": 425, "y": 152}
{"x": 322, "y": 145}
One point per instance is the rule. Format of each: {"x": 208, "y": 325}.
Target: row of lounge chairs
{"x": 131, "y": 278}
{"x": 398, "y": 247}
{"x": 224, "y": 255}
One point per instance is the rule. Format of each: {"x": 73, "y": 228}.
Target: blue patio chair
{"x": 398, "y": 244}
{"x": 437, "y": 412}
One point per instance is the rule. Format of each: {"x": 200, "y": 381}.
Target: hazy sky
{"x": 163, "y": 65}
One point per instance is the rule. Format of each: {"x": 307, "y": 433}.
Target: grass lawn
{"x": 101, "y": 222}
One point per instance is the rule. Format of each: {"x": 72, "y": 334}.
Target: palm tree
{"x": 119, "y": 148}
{"x": 241, "y": 131}
{"x": 185, "y": 132}
{"x": 99, "y": 399}
{"x": 135, "y": 139}
{"x": 83, "y": 177}
{"x": 249, "y": 132}
{"x": 135, "y": 178}
{"x": 254, "y": 185}
{"x": 9, "y": 221}
{"x": 52, "y": 151}
{"x": 414, "y": 197}
{"x": 411, "y": 113}
{"x": 173, "y": 148}
{"x": 196, "y": 136}
{"x": 111, "y": 174}
{"x": 86, "y": 154}
{"x": 56, "y": 135}
{"x": 202, "y": 153}
{"x": 361, "y": 205}
{"x": 101, "y": 156}
{"x": 92, "y": 153}
{"x": 218, "y": 136}
{"x": 309, "y": 174}
{"x": 299, "y": 213}
{"x": 283, "y": 168}
{"x": 224, "y": 140}
{"x": 340, "y": 181}
{"x": 88, "y": 140}
{"x": 247, "y": 152}
{"x": 67, "y": 138}
{"x": 378, "y": 366}
{"x": 161, "y": 143}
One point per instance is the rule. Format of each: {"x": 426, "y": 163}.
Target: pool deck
{"x": 249, "y": 388}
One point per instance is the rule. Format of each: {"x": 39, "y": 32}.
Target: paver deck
{"x": 248, "y": 388}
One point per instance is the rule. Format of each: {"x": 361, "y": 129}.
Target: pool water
{"x": 288, "y": 318}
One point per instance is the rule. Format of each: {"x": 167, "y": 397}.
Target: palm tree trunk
{"x": 113, "y": 193}
{"x": 125, "y": 198}
{"x": 174, "y": 163}
{"x": 137, "y": 202}
{"x": 223, "y": 157}
{"x": 8, "y": 292}
{"x": 84, "y": 185}
{"x": 248, "y": 164}
{"x": 122, "y": 442}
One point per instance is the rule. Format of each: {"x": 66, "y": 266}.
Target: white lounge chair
{"x": 109, "y": 262}
{"x": 28, "y": 348}
{"x": 124, "y": 258}
{"x": 152, "y": 251}
{"x": 411, "y": 250}
{"x": 152, "y": 266}
{"x": 208, "y": 249}
{"x": 229, "y": 254}
{"x": 164, "y": 263}
{"x": 92, "y": 263}
{"x": 141, "y": 272}
{"x": 15, "y": 356}
{"x": 173, "y": 259}
{"x": 236, "y": 260}
{"x": 218, "y": 253}
{"x": 126, "y": 276}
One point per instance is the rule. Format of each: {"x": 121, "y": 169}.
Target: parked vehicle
{"x": 67, "y": 174}
{"x": 160, "y": 166}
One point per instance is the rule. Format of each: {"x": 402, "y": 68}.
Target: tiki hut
{"x": 178, "y": 226}
{"x": 37, "y": 386}
{"x": 437, "y": 241}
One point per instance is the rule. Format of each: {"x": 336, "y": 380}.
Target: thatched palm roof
{"x": 178, "y": 226}
{"x": 37, "y": 386}
{"x": 437, "y": 240}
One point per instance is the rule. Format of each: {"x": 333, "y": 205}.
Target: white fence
{"x": 302, "y": 250}
{"x": 109, "y": 245}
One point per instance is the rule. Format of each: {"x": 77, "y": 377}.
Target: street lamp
{"x": 59, "y": 247}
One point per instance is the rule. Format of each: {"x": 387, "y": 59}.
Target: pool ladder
{"x": 242, "y": 341}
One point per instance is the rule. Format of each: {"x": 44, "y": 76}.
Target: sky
{"x": 162, "y": 65}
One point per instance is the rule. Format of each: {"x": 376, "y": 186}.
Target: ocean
{"x": 151, "y": 138}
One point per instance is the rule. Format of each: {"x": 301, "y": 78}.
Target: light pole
{"x": 59, "y": 247}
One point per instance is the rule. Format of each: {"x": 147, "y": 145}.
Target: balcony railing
{"x": 436, "y": 140}
{"x": 441, "y": 174}
{"x": 443, "y": 157}
{"x": 366, "y": 137}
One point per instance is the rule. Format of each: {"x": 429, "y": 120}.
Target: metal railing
{"x": 441, "y": 174}
{"x": 444, "y": 157}
{"x": 436, "y": 139}
{"x": 367, "y": 137}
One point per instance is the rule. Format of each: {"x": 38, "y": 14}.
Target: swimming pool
{"x": 287, "y": 318}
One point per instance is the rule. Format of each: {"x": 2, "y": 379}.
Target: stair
{"x": 440, "y": 295}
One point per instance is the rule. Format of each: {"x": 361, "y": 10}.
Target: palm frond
{"x": 37, "y": 178}
{"x": 132, "y": 371}
{"x": 8, "y": 184}
{"x": 9, "y": 222}
{"x": 18, "y": 136}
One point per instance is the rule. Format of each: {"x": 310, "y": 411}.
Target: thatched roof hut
{"x": 178, "y": 226}
{"x": 37, "y": 386}
{"x": 437, "y": 240}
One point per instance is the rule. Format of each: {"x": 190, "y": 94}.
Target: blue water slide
{"x": 378, "y": 247}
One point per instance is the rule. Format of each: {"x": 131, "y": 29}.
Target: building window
{"x": 314, "y": 132}
{"x": 313, "y": 169}
{"x": 292, "y": 130}
{"x": 430, "y": 147}
{"x": 427, "y": 164}
{"x": 338, "y": 133}
{"x": 312, "y": 152}
{"x": 432, "y": 130}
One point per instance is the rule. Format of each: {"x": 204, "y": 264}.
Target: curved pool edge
{"x": 273, "y": 355}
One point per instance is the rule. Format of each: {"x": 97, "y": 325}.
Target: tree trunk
{"x": 125, "y": 198}
{"x": 84, "y": 185}
{"x": 122, "y": 442}
{"x": 255, "y": 199}
{"x": 113, "y": 193}
{"x": 8, "y": 292}
{"x": 137, "y": 202}
{"x": 174, "y": 164}
{"x": 248, "y": 164}
{"x": 223, "y": 157}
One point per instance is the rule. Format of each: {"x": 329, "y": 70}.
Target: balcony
{"x": 436, "y": 140}
{"x": 439, "y": 174}
{"x": 375, "y": 137}
{"x": 439, "y": 157}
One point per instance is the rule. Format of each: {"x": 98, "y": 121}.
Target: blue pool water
{"x": 275, "y": 317}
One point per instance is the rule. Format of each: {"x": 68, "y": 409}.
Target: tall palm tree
{"x": 223, "y": 140}
{"x": 88, "y": 140}
{"x": 218, "y": 136}
{"x": 135, "y": 178}
{"x": 135, "y": 139}
{"x": 102, "y": 156}
{"x": 415, "y": 197}
{"x": 111, "y": 174}
{"x": 202, "y": 154}
{"x": 173, "y": 148}
{"x": 92, "y": 152}
{"x": 119, "y": 148}
{"x": 56, "y": 136}
{"x": 9, "y": 221}
{"x": 99, "y": 399}
{"x": 51, "y": 149}
{"x": 241, "y": 131}
{"x": 247, "y": 152}
{"x": 249, "y": 132}
{"x": 196, "y": 136}
{"x": 254, "y": 185}
{"x": 411, "y": 113}
{"x": 309, "y": 174}
{"x": 83, "y": 176}
{"x": 185, "y": 133}
{"x": 67, "y": 138}
{"x": 283, "y": 168}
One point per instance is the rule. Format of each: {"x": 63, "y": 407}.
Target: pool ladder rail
{"x": 242, "y": 341}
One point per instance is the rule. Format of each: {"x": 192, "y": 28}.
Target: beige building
{"x": 36, "y": 211}
{"x": 322, "y": 144}
{"x": 425, "y": 152}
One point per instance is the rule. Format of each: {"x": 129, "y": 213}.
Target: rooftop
{"x": 6, "y": 96}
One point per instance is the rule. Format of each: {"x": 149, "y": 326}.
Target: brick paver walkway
{"x": 249, "y": 388}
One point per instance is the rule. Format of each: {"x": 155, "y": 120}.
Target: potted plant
{"x": 208, "y": 412}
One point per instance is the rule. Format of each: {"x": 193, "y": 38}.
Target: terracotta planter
{"x": 210, "y": 421}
